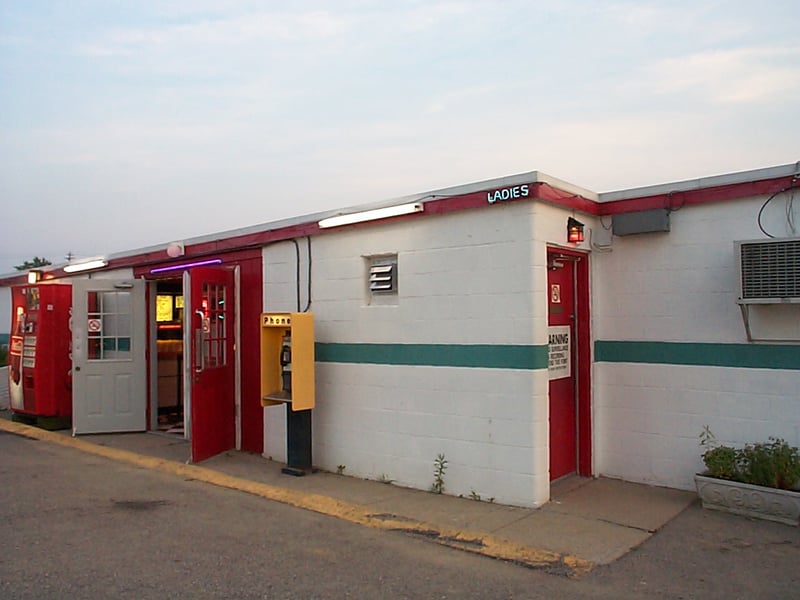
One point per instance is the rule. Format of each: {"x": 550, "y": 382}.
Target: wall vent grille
{"x": 769, "y": 271}
{"x": 383, "y": 276}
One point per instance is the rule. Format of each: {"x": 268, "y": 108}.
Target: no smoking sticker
{"x": 95, "y": 325}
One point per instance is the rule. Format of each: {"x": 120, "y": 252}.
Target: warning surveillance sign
{"x": 559, "y": 361}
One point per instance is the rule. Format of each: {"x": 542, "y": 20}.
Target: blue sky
{"x": 130, "y": 123}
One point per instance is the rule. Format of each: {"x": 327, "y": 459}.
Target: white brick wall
{"x": 649, "y": 417}
{"x": 281, "y": 277}
{"x": 393, "y": 421}
{"x": 473, "y": 277}
{"x": 681, "y": 287}
{"x": 463, "y": 278}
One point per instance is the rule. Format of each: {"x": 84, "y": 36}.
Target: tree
{"x": 34, "y": 263}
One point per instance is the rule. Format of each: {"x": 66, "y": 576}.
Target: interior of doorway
{"x": 169, "y": 346}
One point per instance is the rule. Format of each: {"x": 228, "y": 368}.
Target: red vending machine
{"x": 40, "y": 377}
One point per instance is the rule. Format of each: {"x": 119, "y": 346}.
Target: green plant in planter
{"x": 773, "y": 464}
{"x": 720, "y": 462}
{"x": 787, "y": 461}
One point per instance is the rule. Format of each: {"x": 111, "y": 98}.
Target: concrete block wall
{"x": 463, "y": 278}
{"x": 681, "y": 287}
{"x": 472, "y": 277}
{"x": 391, "y": 422}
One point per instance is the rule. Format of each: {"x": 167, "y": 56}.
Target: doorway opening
{"x": 169, "y": 310}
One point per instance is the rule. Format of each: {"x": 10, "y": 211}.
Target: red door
{"x": 562, "y": 368}
{"x": 213, "y": 428}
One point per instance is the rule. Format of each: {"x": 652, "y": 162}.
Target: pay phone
{"x": 287, "y": 360}
{"x": 287, "y": 377}
{"x": 286, "y": 363}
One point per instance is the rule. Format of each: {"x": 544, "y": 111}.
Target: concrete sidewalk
{"x": 588, "y": 521}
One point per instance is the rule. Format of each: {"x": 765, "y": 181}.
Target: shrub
{"x": 720, "y": 462}
{"x": 773, "y": 464}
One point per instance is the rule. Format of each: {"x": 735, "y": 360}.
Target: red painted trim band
{"x": 679, "y": 199}
{"x": 437, "y": 205}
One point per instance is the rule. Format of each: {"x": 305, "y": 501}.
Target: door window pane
{"x": 109, "y": 325}
{"x": 215, "y": 340}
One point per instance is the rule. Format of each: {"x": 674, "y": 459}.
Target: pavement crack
{"x": 388, "y": 517}
{"x": 508, "y": 524}
{"x": 625, "y": 525}
{"x": 139, "y": 505}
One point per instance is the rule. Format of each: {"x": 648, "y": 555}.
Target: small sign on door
{"x": 559, "y": 363}
{"x": 95, "y": 326}
{"x": 555, "y": 293}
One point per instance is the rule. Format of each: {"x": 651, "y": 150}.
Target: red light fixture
{"x": 574, "y": 231}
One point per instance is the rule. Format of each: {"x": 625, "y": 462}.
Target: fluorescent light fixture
{"x": 85, "y": 266}
{"x": 372, "y": 215}
{"x": 199, "y": 263}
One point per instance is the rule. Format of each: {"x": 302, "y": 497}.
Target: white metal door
{"x": 109, "y": 383}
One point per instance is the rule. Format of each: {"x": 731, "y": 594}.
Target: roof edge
{"x": 702, "y": 183}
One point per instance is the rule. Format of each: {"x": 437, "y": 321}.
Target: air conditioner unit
{"x": 769, "y": 271}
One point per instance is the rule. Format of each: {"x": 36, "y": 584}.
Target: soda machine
{"x": 40, "y": 376}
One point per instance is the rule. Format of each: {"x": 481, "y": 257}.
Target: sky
{"x": 125, "y": 124}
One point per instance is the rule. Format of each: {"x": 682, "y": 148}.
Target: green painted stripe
{"x": 486, "y": 356}
{"x": 750, "y": 356}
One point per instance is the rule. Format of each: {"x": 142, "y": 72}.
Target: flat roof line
{"x": 702, "y": 182}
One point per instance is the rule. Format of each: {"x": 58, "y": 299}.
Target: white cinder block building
{"x": 671, "y": 344}
{"x": 472, "y": 326}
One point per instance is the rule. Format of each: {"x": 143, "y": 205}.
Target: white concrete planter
{"x": 772, "y": 504}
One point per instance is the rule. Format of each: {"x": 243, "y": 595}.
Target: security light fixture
{"x": 85, "y": 266}
{"x": 34, "y": 276}
{"x": 175, "y": 249}
{"x": 372, "y": 215}
{"x": 574, "y": 231}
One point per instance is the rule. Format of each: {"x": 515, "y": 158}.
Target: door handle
{"x": 199, "y": 346}
{"x": 199, "y": 351}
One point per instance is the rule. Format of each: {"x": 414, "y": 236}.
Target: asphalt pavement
{"x": 588, "y": 522}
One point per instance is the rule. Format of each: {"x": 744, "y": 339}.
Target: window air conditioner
{"x": 769, "y": 271}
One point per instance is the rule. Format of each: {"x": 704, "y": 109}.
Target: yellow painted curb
{"x": 478, "y": 543}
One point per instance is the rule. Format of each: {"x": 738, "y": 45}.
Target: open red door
{"x": 212, "y": 302}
